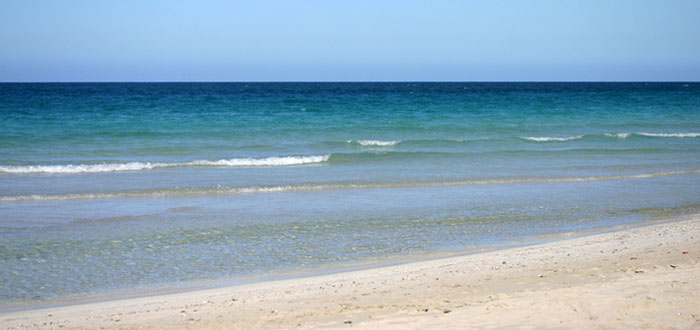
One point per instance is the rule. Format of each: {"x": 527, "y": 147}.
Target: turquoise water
{"x": 109, "y": 187}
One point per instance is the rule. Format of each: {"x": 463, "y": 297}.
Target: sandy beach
{"x": 349, "y": 165}
{"x": 643, "y": 277}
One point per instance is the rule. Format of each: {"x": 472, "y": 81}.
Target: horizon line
{"x": 342, "y": 81}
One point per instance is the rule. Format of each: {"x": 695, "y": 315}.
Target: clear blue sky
{"x": 265, "y": 40}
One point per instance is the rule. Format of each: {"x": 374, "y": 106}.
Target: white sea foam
{"x": 376, "y": 143}
{"x": 93, "y": 168}
{"x": 663, "y": 135}
{"x": 270, "y": 161}
{"x": 138, "y": 166}
{"x": 549, "y": 139}
{"x": 618, "y": 135}
{"x": 673, "y": 135}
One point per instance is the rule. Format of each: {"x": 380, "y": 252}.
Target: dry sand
{"x": 644, "y": 277}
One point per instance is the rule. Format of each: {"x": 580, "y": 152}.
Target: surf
{"x": 139, "y": 166}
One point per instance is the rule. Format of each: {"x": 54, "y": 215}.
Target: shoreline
{"x": 635, "y": 277}
{"x": 315, "y": 271}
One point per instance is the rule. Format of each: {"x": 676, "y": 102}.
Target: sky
{"x": 391, "y": 40}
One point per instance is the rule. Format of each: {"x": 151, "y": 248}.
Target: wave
{"x": 227, "y": 190}
{"x": 661, "y": 135}
{"x": 550, "y": 139}
{"x": 612, "y": 135}
{"x": 618, "y": 135}
{"x": 670, "y": 135}
{"x": 449, "y": 142}
{"x": 70, "y": 169}
{"x": 139, "y": 166}
{"x": 270, "y": 161}
{"x": 332, "y": 159}
{"x": 374, "y": 143}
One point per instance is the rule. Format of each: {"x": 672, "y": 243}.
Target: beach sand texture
{"x": 643, "y": 277}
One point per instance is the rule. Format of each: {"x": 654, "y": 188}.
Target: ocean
{"x": 128, "y": 188}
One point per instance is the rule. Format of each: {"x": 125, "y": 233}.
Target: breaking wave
{"x": 661, "y": 135}
{"x": 618, "y": 135}
{"x": 550, "y": 139}
{"x": 671, "y": 135}
{"x": 374, "y": 143}
{"x": 612, "y": 135}
{"x": 139, "y": 166}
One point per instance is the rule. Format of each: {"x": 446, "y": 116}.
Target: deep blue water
{"x": 107, "y": 187}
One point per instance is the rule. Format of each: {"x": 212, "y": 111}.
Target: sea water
{"x": 133, "y": 186}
